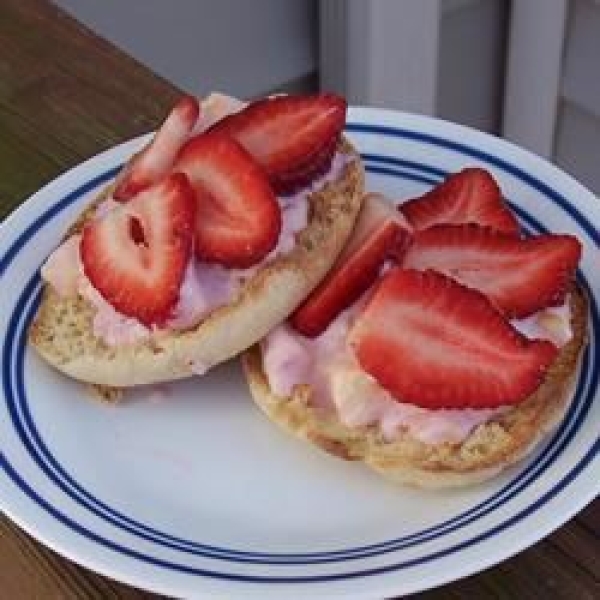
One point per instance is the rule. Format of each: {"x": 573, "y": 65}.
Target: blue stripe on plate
{"x": 33, "y": 495}
{"x": 51, "y": 212}
{"x": 237, "y": 555}
{"x": 491, "y": 159}
{"x": 435, "y": 173}
{"x": 22, "y": 315}
{"x": 151, "y": 534}
{"x": 403, "y": 174}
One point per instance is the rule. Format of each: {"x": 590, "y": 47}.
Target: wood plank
{"x": 590, "y": 517}
{"x": 562, "y": 567}
{"x": 543, "y": 571}
{"x": 30, "y": 570}
{"x": 579, "y": 545}
{"x": 65, "y": 95}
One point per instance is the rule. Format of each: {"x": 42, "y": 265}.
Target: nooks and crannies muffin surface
{"x": 318, "y": 217}
{"x": 457, "y": 359}
{"x": 327, "y": 364}
{"x": 205, "y": 286}
{"x": 489, "y": 448}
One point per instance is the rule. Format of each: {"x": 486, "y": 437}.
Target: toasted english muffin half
{"x": 62, "y": 331}
{"x": 490, "y": 447}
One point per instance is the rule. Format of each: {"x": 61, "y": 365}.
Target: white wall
{"x": 442, "y": 57}
{"x": 577, "y": 137}
{"x": 244, "y": 48}
{"x": 250, "y": 48}
{"x": 471, "y": 62}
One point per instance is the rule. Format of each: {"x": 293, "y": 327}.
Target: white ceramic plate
{"x": 190, "y": 491}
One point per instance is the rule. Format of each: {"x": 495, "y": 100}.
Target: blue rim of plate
{"x": 16, "y": 398}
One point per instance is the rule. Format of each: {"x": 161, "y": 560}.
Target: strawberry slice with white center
{"x": 469, "y": 196}
{"x": 155, "y": 161}
{"x": 136, "y": 254}
{"x": 292, "y": 137}
{"x": 434, "y": 343}
{"x": 378, "y": 230}
{"x": 519, "y": 276}
{"x": 238, "y": 219}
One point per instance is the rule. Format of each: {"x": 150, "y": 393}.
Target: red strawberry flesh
{"x": 469, "y": 196}
{"x": 292, "y": 137}
{"x": 376, "y": 232}
{"x": 238, "y": 219}
{"x": 136, "y": 255}
{"x": 156, "y": 160}
{"x": 317, "y": 165}
{"x": 434, "y": 343}
{"x": 520, "y": 276}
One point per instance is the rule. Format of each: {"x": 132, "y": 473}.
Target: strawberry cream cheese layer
{"x": 329, "y": 366}
{"x": 205, "y": 284}
{"x": 436, "y": 318}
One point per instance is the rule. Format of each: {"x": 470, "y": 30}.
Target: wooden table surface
{"x": 66, "y": 94}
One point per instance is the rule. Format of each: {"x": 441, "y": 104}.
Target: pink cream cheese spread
{"x": 205, "y": 286}
{"x": 328, "y": 365}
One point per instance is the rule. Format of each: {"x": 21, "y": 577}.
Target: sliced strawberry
{"x": 307, "y": 172}
{"x": 292, "y": 137}
{"x": 520, "y": 276}
{"x": 238, "y": 218}
{"x": 136, "y": 255}
{"x": 432, "y": 342}
{"x": 377, "y": 230}
{"x": 156, "y": 159}
{"x": 376, "y": 209}
{"x": 470, "y": 196}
